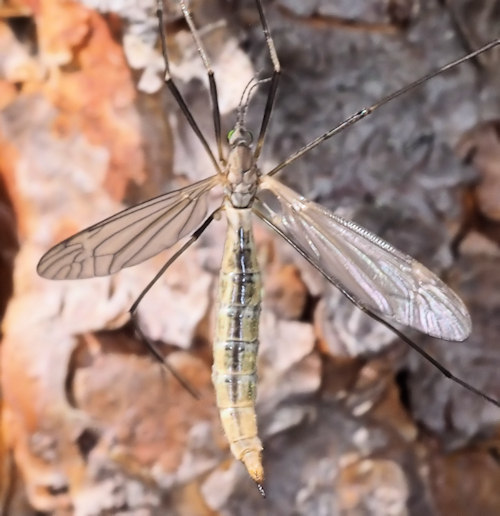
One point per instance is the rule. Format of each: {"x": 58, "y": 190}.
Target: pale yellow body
{"x": 236, "y": 341}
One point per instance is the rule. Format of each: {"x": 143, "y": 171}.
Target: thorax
{"x": 242, "y": 174}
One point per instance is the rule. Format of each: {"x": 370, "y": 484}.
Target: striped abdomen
{"x": 237, "y": 341}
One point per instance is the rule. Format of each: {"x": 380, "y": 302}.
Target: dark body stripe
{"x": 237, "y": 339}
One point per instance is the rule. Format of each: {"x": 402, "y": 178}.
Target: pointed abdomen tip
{"x": 253, "y": 463}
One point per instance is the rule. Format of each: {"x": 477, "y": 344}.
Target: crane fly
{"x": 389, "y": 285}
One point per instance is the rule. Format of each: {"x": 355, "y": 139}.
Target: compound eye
{"x": 242, "y": 135}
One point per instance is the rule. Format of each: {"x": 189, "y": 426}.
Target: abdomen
{"x": 237, "y": 340}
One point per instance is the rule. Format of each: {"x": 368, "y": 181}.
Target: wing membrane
{"x": 376, "y": 275}
{"x": 129, "y": 237}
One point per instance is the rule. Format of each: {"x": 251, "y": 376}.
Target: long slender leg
{"x": 446, "y": 372}
{"x": 175, "y": 91}
{"x": 274, "y": 79}
{"x": 363, "y": 113}
{"x": 211, "y": 77}
{"x": 171, "y": 260}
{"x": 156, "y": 353}
{"x": 152, "y": 347}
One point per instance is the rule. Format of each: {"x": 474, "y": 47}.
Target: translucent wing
{"x": 129, "y": 237}
{"x": 366, "y": 267}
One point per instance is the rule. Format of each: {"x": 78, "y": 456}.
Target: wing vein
{"x": 377, "y": 276}
{"x": 131, "y": 236}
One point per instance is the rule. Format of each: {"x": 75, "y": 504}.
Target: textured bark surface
{"x": 352, "y": 422}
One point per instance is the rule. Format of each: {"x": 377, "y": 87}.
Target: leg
{"x": 156, "y": 353}
{"x": 211, "y": 78}
{"x": 176, "y": 93}
{"x": 172, "y": 259}
{"x": 274, "y": 79}
{"x": 152, "y": 347}
{"x": 446, "y": 372}
{"x": 363, "y": 113}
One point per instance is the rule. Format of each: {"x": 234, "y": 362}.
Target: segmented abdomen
{"x": 237, "y": 341}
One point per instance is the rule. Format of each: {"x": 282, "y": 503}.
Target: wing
{"x": 131, "y": 236}
{"x": 366, "y": 268}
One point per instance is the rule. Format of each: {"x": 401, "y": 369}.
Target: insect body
{"x": 384, "y": 282}
{"x": 236, "y": 341}
{"x": 237, "y": 328}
